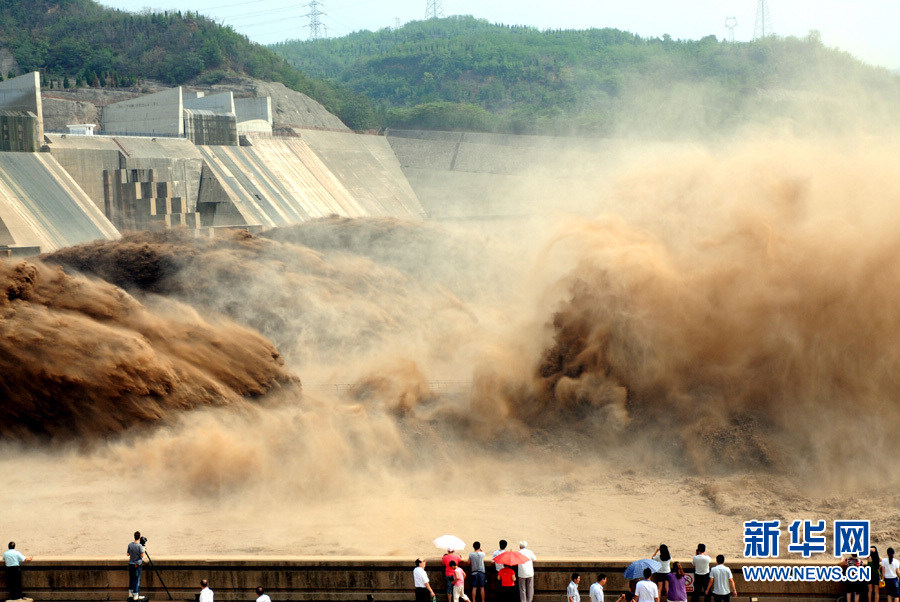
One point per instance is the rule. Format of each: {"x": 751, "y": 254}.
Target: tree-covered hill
{"x": 462, "y": 72}
{"x": 81, "y": 42}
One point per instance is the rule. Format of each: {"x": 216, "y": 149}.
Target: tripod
{"x": 153, "y": 566}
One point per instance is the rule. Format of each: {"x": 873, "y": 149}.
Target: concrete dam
{"x": 178, "y": 158}
{"x": 181, "y": 159}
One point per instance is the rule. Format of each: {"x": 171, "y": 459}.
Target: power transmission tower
{"x": 315, "y": 25}
{"x": 434, "y": 9}
{"x": 731, "y": 23}
{"x": 763, "y": 28}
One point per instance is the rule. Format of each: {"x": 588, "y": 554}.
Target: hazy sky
{"x": 865, "y": 28}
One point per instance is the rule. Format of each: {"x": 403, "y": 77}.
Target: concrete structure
{"x": 281, "y": 181}
{"x": 199, "y": 118}
{"x": 21, "y": 114}
{"x": 138, "y": 201}
{"x": 368, "y": 168}
{"x": 210, "y": 119}
{"x": 43, "y": 208}
{"x": 254, "y": 115}
{"x": 220, "y": 103}
{"x": 81, "y": 129}
{"x": 86, "y": 158}
{"x": 160, "y": 114}
{"x": 187, "y": 170}
{"x": 210, "y": 127}
{"x": 341, "y": 579}
{"x": 273, "y": 182}
{"x": 460, "y": 175}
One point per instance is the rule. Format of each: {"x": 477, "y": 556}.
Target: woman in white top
{"x": 662, "y": 556}
{"x": 891, "y": 565}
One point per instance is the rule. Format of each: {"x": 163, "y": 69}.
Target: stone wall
{"x": 339, "y": 579}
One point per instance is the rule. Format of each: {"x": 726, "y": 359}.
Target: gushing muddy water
{"x": 700, "y": 337}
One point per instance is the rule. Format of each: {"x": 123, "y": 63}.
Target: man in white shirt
{"x": 646, "y": 590}
{"x": 721, "y": 582}
{"x": 262, "y": 596}
{"x": 701, "y": 562}
{"x": 424, "y": 593}
{"x": 572, "y": 590}
{"x": 597, "y": 588}
{"x": 206, "y": 594}
{"x": 13, "y": 560}
{"x": 526, "y": 574}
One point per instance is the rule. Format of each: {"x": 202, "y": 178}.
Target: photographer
{"x": 135, "y": 563}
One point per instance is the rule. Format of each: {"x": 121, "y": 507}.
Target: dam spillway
{"x": 173, "y": 159}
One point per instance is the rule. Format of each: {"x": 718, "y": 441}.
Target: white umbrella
{"x": 449, "y": 542}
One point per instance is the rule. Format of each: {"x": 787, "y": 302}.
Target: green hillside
{"x": 465, "y": 73}
{"x": 83, "y": 43}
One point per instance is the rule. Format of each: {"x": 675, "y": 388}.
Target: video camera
{"x": 143, "y": 540}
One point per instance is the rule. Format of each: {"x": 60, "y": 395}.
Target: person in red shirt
{"x": 449, "y": 557}
{"x": 508, "y": 590}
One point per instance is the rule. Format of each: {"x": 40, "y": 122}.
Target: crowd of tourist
{"x": 712, "y": 580}
{"x": 662, "y": 580}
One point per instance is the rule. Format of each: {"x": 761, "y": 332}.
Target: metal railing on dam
{"x": 346, "y": 579}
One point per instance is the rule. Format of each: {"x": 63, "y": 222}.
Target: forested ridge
{"x": 465, "y": 73}
{"x": 82, "y": 43}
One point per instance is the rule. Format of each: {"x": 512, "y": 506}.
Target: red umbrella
{"x": 511, "y": 558}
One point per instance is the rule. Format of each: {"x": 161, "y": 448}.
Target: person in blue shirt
{"x": 13, "y": 560}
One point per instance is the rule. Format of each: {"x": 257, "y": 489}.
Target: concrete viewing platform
{"x": 348, "y": 579}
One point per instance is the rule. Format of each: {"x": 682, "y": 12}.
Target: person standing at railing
{"x": 476, "y": 568}
{"x": 13, "y": 560}
{"x": 526, "y": 574}
{"x": 424, "y": 593}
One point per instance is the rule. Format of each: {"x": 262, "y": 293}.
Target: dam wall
{"x": 464, "y": 174}
{"x": 86, "y": 158}
{"x": 280, "y": 181}
{"x": 268, "y": 182}
{"x": 369, "y": 169}
{"x": 184, "y": 165}
{"x": 41, "y": 205}
{"x": 343, "y": 579}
